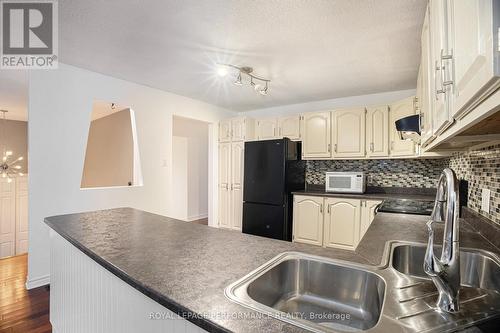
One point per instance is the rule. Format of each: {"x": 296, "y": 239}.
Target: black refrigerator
{"x": 272, "y": 170}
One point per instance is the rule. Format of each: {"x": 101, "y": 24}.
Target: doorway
{"x": 190, "y": 169}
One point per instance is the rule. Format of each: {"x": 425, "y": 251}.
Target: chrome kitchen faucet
{"x": 445, "y": 272}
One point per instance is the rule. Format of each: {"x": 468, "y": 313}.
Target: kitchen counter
{"x": 373, "y": 193}
{"x": 186, "y": 267}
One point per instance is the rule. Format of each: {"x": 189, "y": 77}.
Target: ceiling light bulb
{"x": 8, "y": 153}
{"x": 238, "y": 80}
{"x": 9, "y": 180}
{"x": 257, "y": 87}
{"x": 221, "y": 71}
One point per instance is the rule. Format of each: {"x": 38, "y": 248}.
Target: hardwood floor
{"x": 21, "y": 310}
{"x": 201, "y": 221}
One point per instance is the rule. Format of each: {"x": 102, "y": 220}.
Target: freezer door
{"x": 264, "y": 178}
{"x": 264, "y": 220}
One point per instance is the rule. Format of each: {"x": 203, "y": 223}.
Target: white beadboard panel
{"x": 85, "y": 297}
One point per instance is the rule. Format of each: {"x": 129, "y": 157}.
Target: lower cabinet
{"x": 341, "y": 223}
{"x": 308, "y": 220}
{"x": 368, "y": 208}
{"x": 331, "y": 222}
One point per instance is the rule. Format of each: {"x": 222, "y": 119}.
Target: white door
{"x": 367, "y": 215}
{"x": 238, "y": 129}
{"x": 316, "y": 139}
{"x": 7, "y": 218}
{"x": 424, "y": 85}
{"x": 348, "y": 133}
{"x": 224, "y": 184}
{"x": 267, "y": 128}
{"x": 308, "y": 220}
{"x": 225, "y": 130}
{"x": 473, "y": 50}
{"x": 397, "y": 111}
{"x": 237, "y": 162}
{"x": 377, "y": 131}
{"x": 21, "y": 215}
{"x": 342, "y": 220}
{"x": 439, "y": 49}
{"x": 289, "y": 127}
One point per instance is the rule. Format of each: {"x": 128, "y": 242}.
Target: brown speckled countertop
{"x": 186, "y": 267}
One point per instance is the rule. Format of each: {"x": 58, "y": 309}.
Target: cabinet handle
{"x": 371, "y": 147}
{"x": 329, "y": 147}
{"x": 321, "y": 208}
{"x": 392, "y": 145}
{"x": 274, "y": 131}
{"x": 328, "y": 209}
{"x": 438, "y": 90}
{"x": 444, "y": 57}
{"x": 335, "y": 148}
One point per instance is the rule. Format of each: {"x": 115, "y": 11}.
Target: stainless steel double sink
{"x": 326, "y": 295}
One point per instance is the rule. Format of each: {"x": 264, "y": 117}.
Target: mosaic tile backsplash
{"x": 480, "y": 168}
{"x": 383, "y": 173}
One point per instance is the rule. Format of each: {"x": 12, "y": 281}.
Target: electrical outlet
{"x": 485, "y": 200}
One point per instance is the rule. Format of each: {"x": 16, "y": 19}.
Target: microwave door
{"x": 339, "y": 183}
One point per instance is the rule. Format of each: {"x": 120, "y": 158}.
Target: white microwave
{"x": 345, "y": 182}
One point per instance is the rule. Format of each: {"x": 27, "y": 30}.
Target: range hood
{"x": 409, "y": 128}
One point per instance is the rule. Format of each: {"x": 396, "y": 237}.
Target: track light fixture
{"x": 262, "y": 87}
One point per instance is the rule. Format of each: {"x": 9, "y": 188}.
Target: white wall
{"x": 180, "y": 181}
{"x": 336, "y": 103}
{"x": 60, "y": 106}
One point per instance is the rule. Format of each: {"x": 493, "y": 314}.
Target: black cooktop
{"x": 406, "y": 206}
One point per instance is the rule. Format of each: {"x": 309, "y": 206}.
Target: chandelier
{"x": 8, "y": 166}
{"x": 260, "y": 84}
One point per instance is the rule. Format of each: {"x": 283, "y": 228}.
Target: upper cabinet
{"x": 348, "y": 133}
{"x": 398, "y": 110}
{"x": 474, "y": 73}
{"x": 440, "y": 64}
{"x": 267, "y": 128}
{"x": 289, "y": 127}
{"x": 377, "y": 131}
{"x": 236, "y": 129}
{"x": 316, "y": 136}
{"x": 424, "y": 85}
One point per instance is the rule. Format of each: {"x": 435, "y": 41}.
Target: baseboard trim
{"x": 38, "y": 282}
{"x": 197, "y": 217}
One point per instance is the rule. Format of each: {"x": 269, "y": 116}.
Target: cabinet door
{"x": 342, "y": 219}
{"x": 397, "y": 111}
{"x": 367, "y": 215}
{"x": 237, "y": 162}
{"x": 439, "y": 49}
{"x": 289, "y": 127}
{"x": 308, "y": 220}
{"x": 348, "y": 133}
{"x": 473, "y": 47}
{"x": 224, "y": 184}
{"x": 316, "y": 140}
{"x": 267, "y": 129}
{"x": 225, "y": 130}
{"x": 424, "y": 85}
{"x": 377, "y": 131}
{"x": 7, "y": 218}
{"x": 21, "y": 215}
{"x": 238, "y": 129}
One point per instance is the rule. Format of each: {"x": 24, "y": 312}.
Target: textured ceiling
{"x": 312, "y": 50}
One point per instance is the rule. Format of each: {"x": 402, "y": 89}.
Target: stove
{"x": 406, "y": 206}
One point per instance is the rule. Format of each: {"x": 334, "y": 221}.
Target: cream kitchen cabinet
{"x": 231, "y": 161}
{"x": 439, "y": 52}
{"x": 224, "y": 185}
{"x": 236, "y": 187}
{"x": 341, "y": 223}
{"x": 348, "y": 133}
{"x": 316, "y": 136}
{"x": 236, "y": 129}
{"x": 398, "y": 110}
{"x": 289, "y": 127}
{"x": 368, "y": 208}
{"x": 267, "y": 129}
{"x": 474, "y": 65}
{"x": 308, "y": 220}
{"x": 424, "y": 85}
{"x": 377, "y": 131}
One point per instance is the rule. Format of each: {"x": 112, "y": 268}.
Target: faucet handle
{"x": 429, "y": 258}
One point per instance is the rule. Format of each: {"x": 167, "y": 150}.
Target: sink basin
{"x": 312, "y": 292}
{"x": 478, "y": 269}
